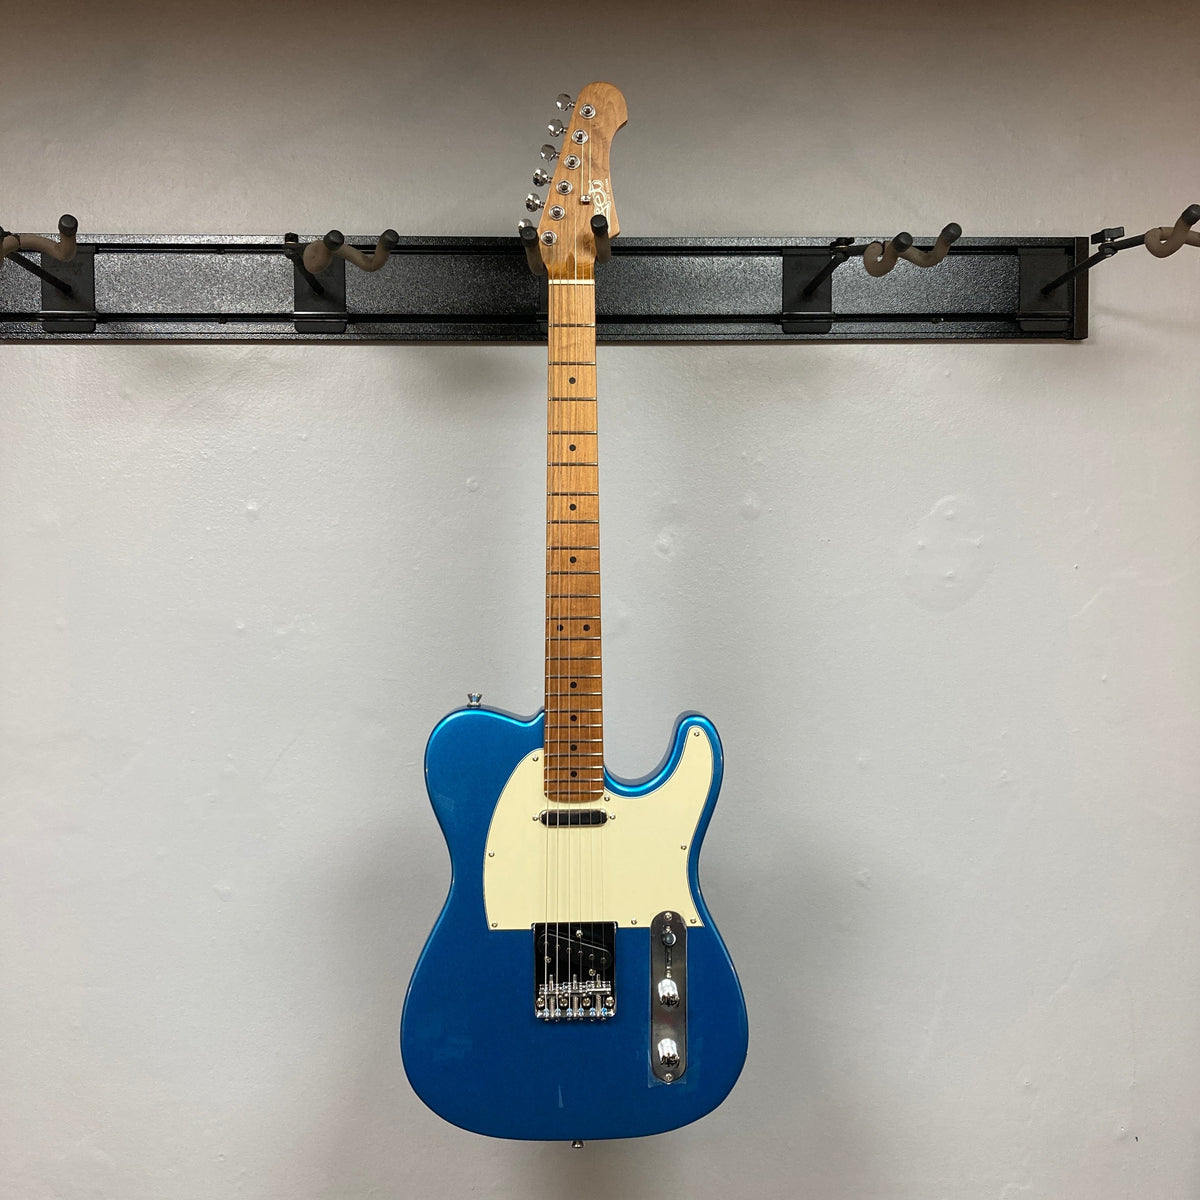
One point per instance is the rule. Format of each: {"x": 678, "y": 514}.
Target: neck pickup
{"x": 562, "y": 818}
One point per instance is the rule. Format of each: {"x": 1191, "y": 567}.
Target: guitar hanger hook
{"x": 1161, "y": 241}
{"x": 320, "y": 253}
{"x": 63, "y": 249}
{"x": 879, "y": 259}
{"x": 12, "y": 245}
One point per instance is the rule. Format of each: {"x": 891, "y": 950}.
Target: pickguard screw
{"x": 495, "y": 924}
{"x": 491, "y": 854}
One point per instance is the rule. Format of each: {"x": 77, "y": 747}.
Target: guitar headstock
{"x": 580, "y": 187}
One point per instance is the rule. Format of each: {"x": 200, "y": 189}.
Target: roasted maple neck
{"x": 574, "y": 750}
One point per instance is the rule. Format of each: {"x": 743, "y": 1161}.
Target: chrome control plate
{"x": 668, "y": 997}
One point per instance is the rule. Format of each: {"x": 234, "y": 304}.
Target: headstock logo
{"x": 601, "y": 202}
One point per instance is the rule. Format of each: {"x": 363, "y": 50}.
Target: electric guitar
{"x": 574, "y": 985}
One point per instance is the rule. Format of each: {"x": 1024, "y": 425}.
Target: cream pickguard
{"x": 627, "y": 870}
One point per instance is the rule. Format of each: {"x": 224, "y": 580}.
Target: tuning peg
{"x": 533, "y": 202}
{"x": 564, "y": 102}
{"x": 549, "y": 152}
{"x": 540, "y": 178}
{"x": 557, "y": 128}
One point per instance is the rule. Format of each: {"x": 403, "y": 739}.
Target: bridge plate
{"x": 574, "y": 970}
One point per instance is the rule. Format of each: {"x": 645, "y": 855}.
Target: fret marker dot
{"x": 560, "y": 629}
{"x": 574, "y": 773}
{"x": 574, "y": 684}
{"x": 574, "y": 717}
{"x": 574, "y": 747}
{"x": 586, "y": 627}
{"x": 571, "y": 446}
{"x": 572, "y": 379}
{"x": 574, "y": 559}
{"x": 572, "y": 507}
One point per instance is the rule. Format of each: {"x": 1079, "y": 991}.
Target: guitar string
{"x": 599, "y": 611}
{"x": 572, "y": 832}
{"x": 589, "y": 310}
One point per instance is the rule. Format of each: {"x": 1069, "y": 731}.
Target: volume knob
{"x": 668, "y": 993}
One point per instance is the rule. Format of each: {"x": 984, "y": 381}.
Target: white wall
{"x": 956, "y": 856}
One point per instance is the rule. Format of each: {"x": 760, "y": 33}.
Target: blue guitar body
{"x": 474, "y": 1049}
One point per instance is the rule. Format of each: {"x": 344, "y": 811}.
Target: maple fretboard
{"x": 574, "y": 749}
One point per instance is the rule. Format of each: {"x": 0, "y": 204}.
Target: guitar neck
{"x": 574, "y": 748}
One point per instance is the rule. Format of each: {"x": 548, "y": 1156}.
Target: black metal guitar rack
{"x": 451, "y": 289}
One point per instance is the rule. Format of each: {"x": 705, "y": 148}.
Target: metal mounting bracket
{"x": 323, "y": 311}
{"x": 75, "y": 312}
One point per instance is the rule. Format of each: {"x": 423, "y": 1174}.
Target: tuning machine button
{"x": 549, "y": 152}
{"x": 541, "y": 177}
{"x": 557, "y": 128}
{"x": 533, "y": 202}
{"x": 564, "y": 102}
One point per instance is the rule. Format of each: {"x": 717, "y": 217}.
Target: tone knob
{"x": 549, "y": 152}
{"x": 557, "y": 128}
{"x": 533, "y": 202}
{"x": 668, "y": 993}
{"x": 564, "y": 102}
{"x": 540, "y": 178}
{"x": 668, "y": 1053}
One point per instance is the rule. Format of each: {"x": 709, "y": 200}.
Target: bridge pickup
{"x": 574, "y": 970}
{"x": 563, "y": 818}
